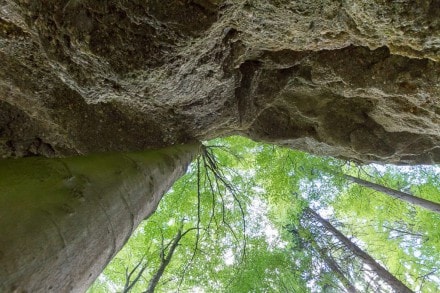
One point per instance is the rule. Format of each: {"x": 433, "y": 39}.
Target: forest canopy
{"x": 253, "y": 217}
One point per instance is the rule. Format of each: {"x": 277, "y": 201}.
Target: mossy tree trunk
{"x": 63, "y": 220}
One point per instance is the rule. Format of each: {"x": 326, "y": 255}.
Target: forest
{"x": 254, "y": 217}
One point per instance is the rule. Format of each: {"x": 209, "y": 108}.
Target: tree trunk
{"x": 423, "y": 203}
{"x": 328, "y": 259}
{"x": 165, "y": 261}
{"x": 334, "y": 267}
{"x": 386, "y": 276}
{"x": 331, "y": 263}
{"x": 63, "y": 220}
{"x": 130, "y": 284}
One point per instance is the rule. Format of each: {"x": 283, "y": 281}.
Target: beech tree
{"x": 183, "y": 244}
{"x": 63, "y": 220}
{"x": 242, "y": 196}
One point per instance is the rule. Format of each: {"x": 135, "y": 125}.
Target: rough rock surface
{"x": 353, "y": 79}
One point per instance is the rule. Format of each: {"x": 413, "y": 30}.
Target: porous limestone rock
{"x": 348, "y": 78}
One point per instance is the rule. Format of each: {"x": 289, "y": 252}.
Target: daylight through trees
{"x": 249, "y": 217}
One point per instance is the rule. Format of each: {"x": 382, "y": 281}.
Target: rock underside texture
{"x": 351, "y": 79}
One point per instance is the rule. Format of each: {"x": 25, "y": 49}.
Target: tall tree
{"x": 384, "y": 274}
{"x": 166, "y": 253}
{"x": 306, "y": 239}
{"x": 63, "y": 220}
{"x": 409, "y": 198}
{"x": 213, "y": 205}
{"x": 286, "y": 181}
{"x": 404, "y": 237}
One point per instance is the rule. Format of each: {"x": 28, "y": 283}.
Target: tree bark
{"x": 328, "y": 259}
{"x": 423, "y": 203}
{"x": 63, "y": 220}
{"x": 334, "y": 267}
{"x": 331, "y": 263}
{"x": 386, "y": 276}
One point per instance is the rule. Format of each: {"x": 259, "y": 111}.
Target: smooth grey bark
{"x": 384, "y": 274}
{"x": 423, "y": 203}
{"x": 63, "y": 220}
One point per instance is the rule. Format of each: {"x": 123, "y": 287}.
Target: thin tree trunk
{"x": 130, "y": 284}
{"x": 423, "y": 203}
{"x": 328, "y": 259}
{"x": 386, "y": 276}
{"x": 334, "y": 267}
{"x": 165, "y": 261}
{"x": 331, "y": 263}
{"x": 63, "y": 220}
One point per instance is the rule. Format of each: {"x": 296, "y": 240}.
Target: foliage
{"x": 404, "y": 237}
{"x": 242, "y": 208}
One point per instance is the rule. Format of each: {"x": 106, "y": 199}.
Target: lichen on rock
{"x": 351, "y": 79}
